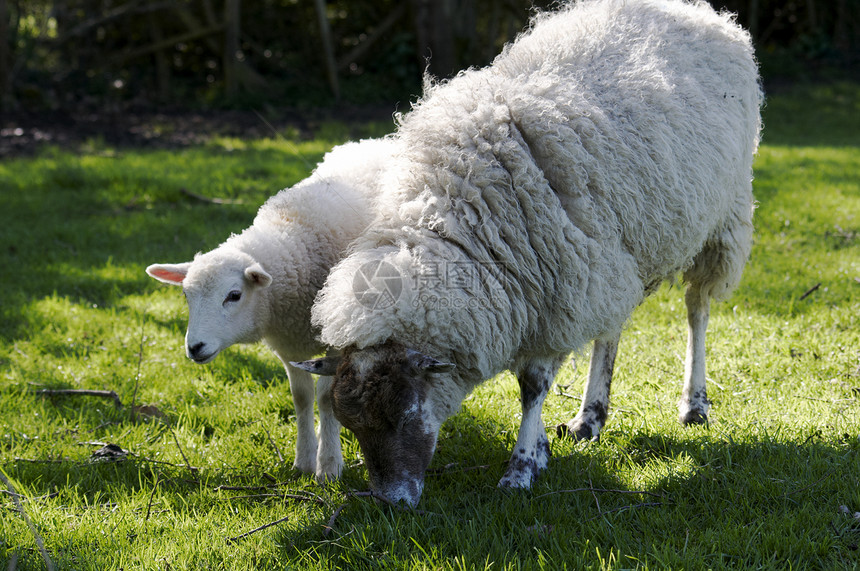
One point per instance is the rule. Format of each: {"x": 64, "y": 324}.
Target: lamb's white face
{"x": 223, "y": 296}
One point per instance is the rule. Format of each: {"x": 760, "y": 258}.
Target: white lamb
{"x": 537, "y": 202}
{"x": 260, "y": 284}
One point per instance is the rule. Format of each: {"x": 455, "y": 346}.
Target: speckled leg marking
{"x": 329, "y": 455}
{"x": 531, "y": 452}
{"x": 595, "y": 401}
{"x": 694, "y": 404}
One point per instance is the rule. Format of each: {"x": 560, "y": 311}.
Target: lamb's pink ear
{"x": 257, "y": 275}
{"x": 172, "y": 274}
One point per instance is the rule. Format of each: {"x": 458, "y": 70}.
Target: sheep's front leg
{"x": 531, "y": 452}
{"x": 302, "y": 388}
{"x": 694, "y": 404}
{"x": 329, "y": 455}
{"x": 595, "y": 400}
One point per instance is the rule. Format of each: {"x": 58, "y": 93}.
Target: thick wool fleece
{"x": 606, "y": 150}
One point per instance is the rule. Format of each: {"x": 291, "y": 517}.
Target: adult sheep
{"x": 536, "y": 204}
{"x": 260, "y": 284}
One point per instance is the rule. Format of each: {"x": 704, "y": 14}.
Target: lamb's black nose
{"x": 194, "y": 352}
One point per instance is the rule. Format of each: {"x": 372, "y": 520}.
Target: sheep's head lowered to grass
{"x": 388, "y": 397}
{"x": 223, "y": 291}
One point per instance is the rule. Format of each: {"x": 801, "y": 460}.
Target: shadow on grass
{"x": 764, "y": 490}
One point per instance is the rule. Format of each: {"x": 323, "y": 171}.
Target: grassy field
{"x": 203, "y": 454}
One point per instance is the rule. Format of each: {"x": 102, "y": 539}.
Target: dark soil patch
{"x": 24, "y": 134}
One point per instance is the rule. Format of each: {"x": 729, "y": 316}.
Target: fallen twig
{"x": 331, "y": 520}
{"x": 152, "y": 495}
{"x": 83, "y": 392}
{"x": 139, "y": 363}
{"x": 625, "y": 508}
{"x": 207, "y": 199}
{"x": 809, "y": 291}
{"x": 384, "y": 500}
{"x": 594, "y": 495}
{"x": 449, "y": 469}
{"x": 815, "y": 483}
{"x": 184, "y": 457}
{"x": 45, "y": 497}
{"x": 598, "y": 490}
{"x": 255, "y": 496}
{"x": 275, "y": 446}
{"x": 39, "y": 541}
{"x": 253, "y": 531}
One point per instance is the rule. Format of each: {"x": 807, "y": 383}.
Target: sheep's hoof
{"x": 578, "y": 430}
{"x": 693, "y": 416}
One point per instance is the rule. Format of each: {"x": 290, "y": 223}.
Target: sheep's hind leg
{"x": 329, "y": 455}
{"x": 595, "y": 401}
{"x": 531, "y": 452}
{"x": 694, "y": 404}
{"x": 302, "y": 389}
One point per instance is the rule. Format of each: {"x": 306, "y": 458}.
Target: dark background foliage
{"x": 126, "y": 54}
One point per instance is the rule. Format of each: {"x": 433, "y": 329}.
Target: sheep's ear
{"x": 257, "y": 275}
{"x": 421, "y": 361}
{"x": 326, "y": 366}
{"x": 172, "y": 274}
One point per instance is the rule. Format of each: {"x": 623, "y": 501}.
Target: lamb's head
{"x": 389, "y": 397}
{"x": 225, "y": 294}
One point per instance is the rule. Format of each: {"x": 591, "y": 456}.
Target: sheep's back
{"x": 591, "y": 161}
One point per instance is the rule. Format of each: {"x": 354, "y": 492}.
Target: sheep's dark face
{"x": 384, "y": 395}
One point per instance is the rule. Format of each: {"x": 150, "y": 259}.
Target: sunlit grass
{"x": 209, "y": 456}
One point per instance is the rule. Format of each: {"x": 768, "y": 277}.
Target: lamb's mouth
{"x": 203, "y": 359}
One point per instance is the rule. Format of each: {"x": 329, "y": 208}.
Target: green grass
{"x": 761, "y": 487}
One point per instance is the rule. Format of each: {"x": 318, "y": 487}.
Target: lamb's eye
{"x": 234, "y": 295}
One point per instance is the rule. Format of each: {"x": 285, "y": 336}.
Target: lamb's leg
{"x": 595, "y": 400}
{"x": 329, "y": 455}
{"x": 531, "y": 452}
{"x": 302, "y": 388}
{"x": 694, "y": 403}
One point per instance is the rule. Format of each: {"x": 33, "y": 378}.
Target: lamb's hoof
{"x": 578, "y": 430}
{"x": 305, "y": 466}
{"x": 328, "y": 471}
{"x": 693, "y": 416}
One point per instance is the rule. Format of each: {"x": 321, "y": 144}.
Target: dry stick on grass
{"x": 275, "y": 446}
{"x": 809, "y": 291}
{"x": 208, "y": 200}
{"x": 152, "y": 495}
{"x": 330, "y": 526}
{"x": 39, "y": 542}
{"x": 598, "y": 490}
{"x": 253, "y": 531}
{"x": 449, "y": 469}
{"x": 594, "y": 495}
{"x": 625, "y": 508}
{"x": 184, "y": 457}
{"x": 83, "y": 392}
{"x": 813, "y": 484}
{"x": 139, "y": 362}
